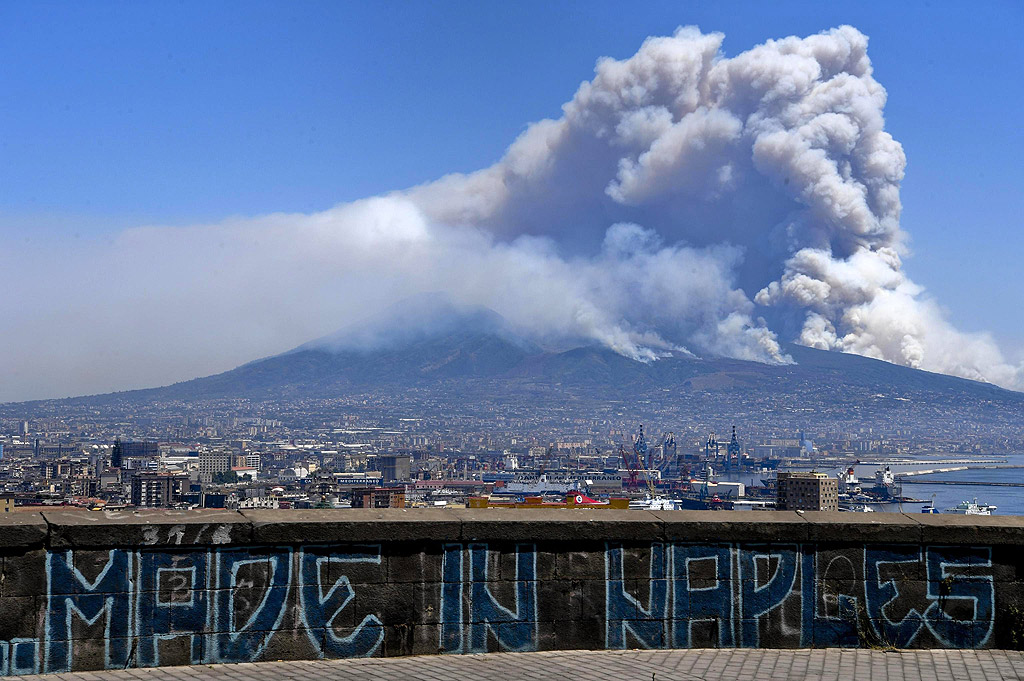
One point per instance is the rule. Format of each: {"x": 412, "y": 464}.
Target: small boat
{"x": 753, "y": 505}
{"x": 971, "y": 508}
{"x": 657, "y": 503}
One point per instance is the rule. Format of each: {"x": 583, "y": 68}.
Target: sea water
{"x": 1008, "y": 500}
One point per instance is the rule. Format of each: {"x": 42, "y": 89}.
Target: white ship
{"x": 971, "y": 508}
{"x": 848, "y": 482}
{"x": 887, "y": 484}
{"x": 539, "y": 484}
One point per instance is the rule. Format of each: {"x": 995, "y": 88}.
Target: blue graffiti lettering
{"x": 757, "y": 599}
{"x": 817, "y": 629}
{"x": 71, "y": 595}
{"x": 320, "y": 608}
{"x": 514, "y": 629}
{"x": 624, "y": 612}
{"x": 229, "y": 641}
{"x": 702, "y": 601}
{"x": 950, "y": 578}
{"x": 451, "y": 599}
{"x": 880, "y": 592}
{"x": 171, "y": 602}
{"x": 19, "y": 656}
{"x": 226, "y": 604}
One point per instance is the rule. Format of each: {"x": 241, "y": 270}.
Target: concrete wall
{"x": 88, "y": 590}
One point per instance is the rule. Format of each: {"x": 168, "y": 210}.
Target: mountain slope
{"x": 463, "y": 357}
{"x": 472, "y": 359}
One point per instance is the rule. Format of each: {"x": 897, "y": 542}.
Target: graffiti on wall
{"x": 814, "y": 598}
{"x": 470, "y": 611}
{"x": 118, "y": 608}
{"x": 225, "y": 604}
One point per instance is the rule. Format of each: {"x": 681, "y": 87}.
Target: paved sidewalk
{"x": 653, "y": 665}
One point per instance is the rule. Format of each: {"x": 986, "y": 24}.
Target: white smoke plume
{"x": 684, "y": 201}
{"x": 780, "y": 152}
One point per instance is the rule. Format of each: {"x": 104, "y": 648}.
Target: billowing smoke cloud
{"x": 779, "y": 152}
{"x": 684, "y": 201}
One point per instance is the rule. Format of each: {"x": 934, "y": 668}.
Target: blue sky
{"x": 118, "y": 114}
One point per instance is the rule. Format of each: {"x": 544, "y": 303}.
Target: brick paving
{"x": 655, "y": 665}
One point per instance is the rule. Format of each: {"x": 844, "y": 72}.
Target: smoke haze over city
{"x": 684, "y": 201}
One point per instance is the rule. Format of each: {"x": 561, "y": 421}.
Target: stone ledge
{"x": 833, "y": 526}
{"x": 76, "y": 528}
{"x": 497, "y": 524}
{"x": 353, "y": 525}
{"x": 80, "y": 528}
{"x": 961, "y": 529}
{"x": 728, "y": 526}
{"x": 23, "y": 530}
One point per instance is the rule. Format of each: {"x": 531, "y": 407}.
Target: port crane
{"x": 663, "y": 455}
{"x": 637, "y": 462}
{"x": 631, "y": 468}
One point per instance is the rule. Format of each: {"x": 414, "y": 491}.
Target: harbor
{"x": 722, "y": 475}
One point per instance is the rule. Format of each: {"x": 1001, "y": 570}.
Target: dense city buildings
{"x": 441, "y": 448}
